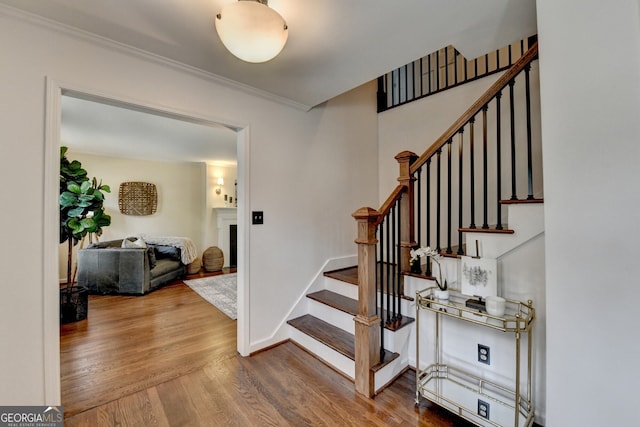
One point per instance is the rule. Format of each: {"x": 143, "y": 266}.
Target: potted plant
{"x": 81, "y": 214}
{"x": 442, "y": 292}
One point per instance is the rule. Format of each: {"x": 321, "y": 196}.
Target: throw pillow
{"x": 139, "y": 243}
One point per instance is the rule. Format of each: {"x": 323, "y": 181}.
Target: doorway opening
{"x": 56, "y": 96}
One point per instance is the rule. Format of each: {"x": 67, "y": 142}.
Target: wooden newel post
{"x": 407, "y": 233}
{"x": 367, "y": 322}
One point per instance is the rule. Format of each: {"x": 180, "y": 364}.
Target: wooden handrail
{"x": 388, "y": 204}
{"x": 496, "y": 87}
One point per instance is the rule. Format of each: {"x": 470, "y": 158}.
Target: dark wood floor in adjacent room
{"x": 169, "y": 359}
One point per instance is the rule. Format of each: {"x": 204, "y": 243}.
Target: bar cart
{"x": 444, "y": 384}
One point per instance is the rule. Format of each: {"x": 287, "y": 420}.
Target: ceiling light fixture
{"x": 251, "y": 30}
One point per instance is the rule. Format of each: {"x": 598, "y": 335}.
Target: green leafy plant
{"x": 81, "y": 206}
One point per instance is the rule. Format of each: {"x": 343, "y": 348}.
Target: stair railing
{"x": 386, "y": 236}
{"x": 468, "y": 176}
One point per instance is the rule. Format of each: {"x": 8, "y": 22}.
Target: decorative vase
{"x": 440, "y": 294}
{"x": 416, "y": 268}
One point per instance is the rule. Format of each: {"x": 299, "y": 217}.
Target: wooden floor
{"x": 169, "y": 359}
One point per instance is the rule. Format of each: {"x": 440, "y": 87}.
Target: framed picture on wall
{"x": 478, "y": 276}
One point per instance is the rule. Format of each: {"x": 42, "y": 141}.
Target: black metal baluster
{"x": 394, "y": 87}
{"x": 437, "y": 70}
{"x": 418, "y": 222}
{"x": 498, "y": 161}
{"x": 387, "y": 269}
{"x": 449, "y": 250}
{"x": 379, "y": 269}
{"x": 475, "y": 67}
{"x": 514, "y": 195}
{"x": 428, "y": 209}
{"x": 406, "y": 83}
{"x": 446, "y": 67}
{"x": 397, "y": 311}
{"x": 429, "y": 67}
{"x": 497, "y": 59}
{"x": 486, "y": 63}
{"x": 455, "y": 64}
{"x": 460, "y": 187}
{"x": 527, "y": 69}
{"x": 421, "y": 77}
{"x": 485, "y": 170}
{"x": 472, "y": 189}
{"x": 438, "y": 202}
{"x": 381, "y": 96}
{"x": 392, "y": 285}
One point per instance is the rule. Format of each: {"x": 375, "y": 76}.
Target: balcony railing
{"x": 441, "y": 70}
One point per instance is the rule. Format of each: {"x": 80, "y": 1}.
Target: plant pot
{"x": 74, "y": 304}
{"x": 416, "y": 268}
{"x": 440, "y": 294}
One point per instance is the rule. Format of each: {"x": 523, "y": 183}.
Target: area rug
{"x": 220, "y": 291}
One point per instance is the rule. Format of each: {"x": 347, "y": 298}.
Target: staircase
{"x": 359, "y": 319}
{"x": 328, "y": 330}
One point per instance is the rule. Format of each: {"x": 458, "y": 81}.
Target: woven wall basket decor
{"x": 137, "y": 198}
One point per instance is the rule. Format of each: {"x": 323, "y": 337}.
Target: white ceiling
{"x": 110, "y": 130}
{"x": 333, "y": 46}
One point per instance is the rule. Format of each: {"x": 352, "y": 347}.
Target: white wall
{"x": 590, "y": 94}
{"x": 181, "y": 202}
{"x": 308, "y": 171}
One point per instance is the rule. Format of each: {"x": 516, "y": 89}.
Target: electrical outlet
{"x": 484, "y": 355}
{"x": 483, "y": 409}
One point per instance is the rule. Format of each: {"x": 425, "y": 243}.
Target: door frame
{"x": 51, "y": 297}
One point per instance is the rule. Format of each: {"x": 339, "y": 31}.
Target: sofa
{"x": 109, "y": 268}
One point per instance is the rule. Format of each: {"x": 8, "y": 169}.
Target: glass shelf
{"x": 518, "y": 316}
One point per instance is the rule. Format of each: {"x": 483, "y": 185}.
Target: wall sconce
{"x": 220, "y": 184}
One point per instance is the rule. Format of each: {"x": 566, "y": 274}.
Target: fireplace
{"x": 233, "y": 245}
{"x": 226, "y": 219}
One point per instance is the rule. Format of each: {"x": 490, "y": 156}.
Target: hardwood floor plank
{"x": 169, "y": 359}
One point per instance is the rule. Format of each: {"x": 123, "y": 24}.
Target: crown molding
{"x": 108, "y": 43}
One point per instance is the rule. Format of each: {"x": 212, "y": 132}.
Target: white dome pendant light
{"x": 251, "y": 30}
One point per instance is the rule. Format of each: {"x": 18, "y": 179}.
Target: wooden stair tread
{"x": 350, "y": 306}
{"x": 491, "y": 229}
{"x": 348, "y": 274}
{"x": 519, "y": 201}
{"x": 334, "y": 337}
{"x": 341, "y": 341}
{"x": 337, "y": 301}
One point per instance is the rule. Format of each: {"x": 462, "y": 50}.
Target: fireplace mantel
{"x": 225, "y": 217}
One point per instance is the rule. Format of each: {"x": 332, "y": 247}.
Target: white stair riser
{"x": 331, "y": 315}
{"x": 340, "y": 287}
{"x": 323, "y": 352}
{"x": 398, "y": 341}
{"x": 384, "y": 376}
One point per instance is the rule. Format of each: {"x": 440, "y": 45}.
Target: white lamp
{"x": 251, "y": 31}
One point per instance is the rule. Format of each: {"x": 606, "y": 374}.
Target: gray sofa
{"x": 107, "y": 268}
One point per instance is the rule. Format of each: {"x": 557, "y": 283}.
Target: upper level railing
{"x": 441, "y": 70}
{"x": 423, "y": 206}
